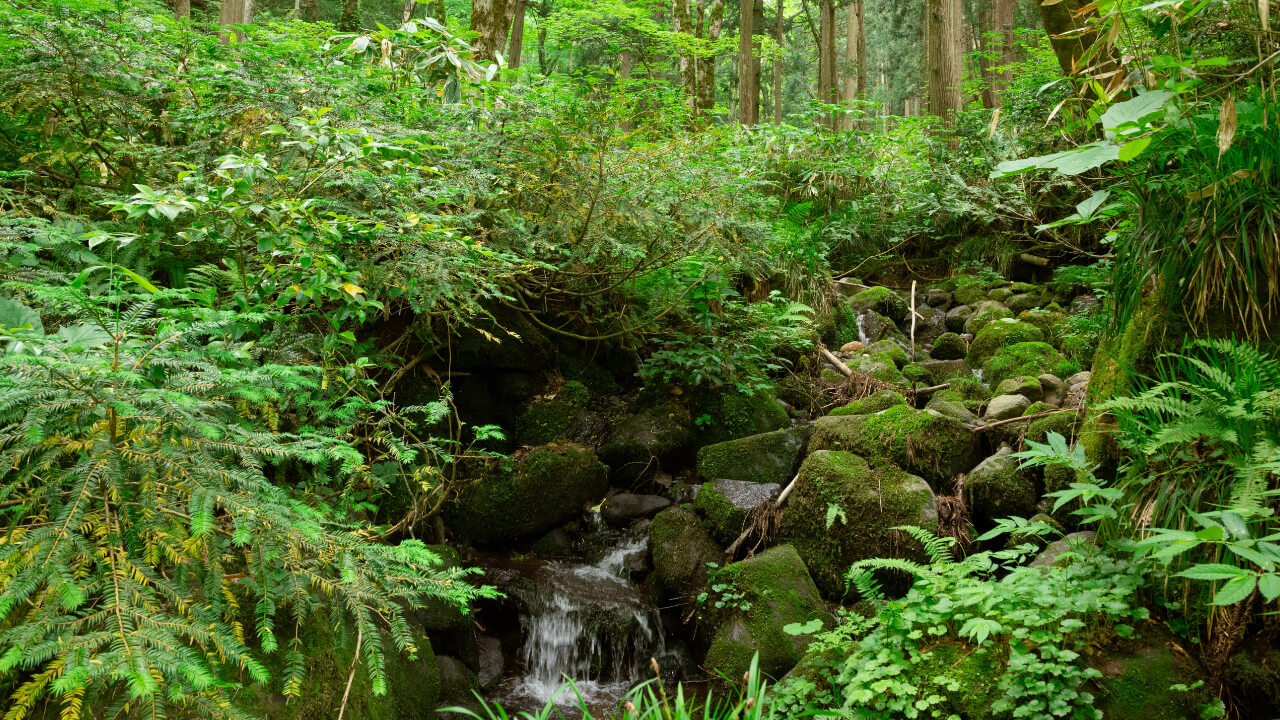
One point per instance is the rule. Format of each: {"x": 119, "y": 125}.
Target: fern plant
{"x": 149, "y": 563}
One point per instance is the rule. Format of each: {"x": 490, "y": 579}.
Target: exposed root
{"x": 953, "y": 517}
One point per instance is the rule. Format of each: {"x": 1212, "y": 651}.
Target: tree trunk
{"x": 409, "y": 7}
{"x": 944, "y": 58}
{"x": 777, "y": 66}
{"x": 855, "y": 59}
{"x": 309, "y": 10}
{"x": 436, "y": 11}
{"x": 707, "y": 64}
{"x": 515, "y": 9}
{"x": 996, "y": 24}
{"x": 182, "y": 9}
{"x": 748, "y": 64}
{"x": 489, "y": 18}
{"x": 1059, "y": 19}
{"x": 682, "y": 24}
{"x": 350, "y": 19}
{"x": 235, "y": 12}
{"x": 827, "y": 56}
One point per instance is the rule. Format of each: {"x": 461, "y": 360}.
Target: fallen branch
{"x": 777, "y": 505}
{"x": 1026, "y": 418}
{"x": 831, "y": 358}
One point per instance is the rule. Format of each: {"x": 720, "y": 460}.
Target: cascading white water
{"x": 587, "y": 623}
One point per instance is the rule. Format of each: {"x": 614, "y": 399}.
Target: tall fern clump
{"x": 148, "y": 563}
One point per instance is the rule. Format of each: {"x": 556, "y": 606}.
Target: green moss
{"x": 779, "y": 591}
{"x": 888, "y": 350}
{"x": 839, "y": 326}
{"x": 638, "y": 443}
{"x": 1047, "y": 320}
{"x": 545, "y": 488}
{"x": 917, "y": 374}
{"x": 985, "y": 314}
{"x": 681, "y": 548}
{"x": 970, "y": 293}
{"x": 935, "y": 447}
{"x": 872, "y": 499}
{"x": 999, "y": 488}
{"x": 1024, "y": 358}
{"x": 1024, "y": 385}
{"x": 765, "y": 458}
{"x": 1065, "y": 424}
{"x": 873, "y": 403}
{"x": 412, "y": 685}
{"x": 832, "y": 376}
{"x": 880, "y": 367}
{"x": 973, "y": 676}
{"x": 545, "y": 421}
{"x": 735, "y": 414}
{"x": 998, "y": 335}
{"x": 1038, "y": 407}
{"x": 1135, "y": 683}
{"x": 949, "y": 346}
{"x": 881, "y": 300}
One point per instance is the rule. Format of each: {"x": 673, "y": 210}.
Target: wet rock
{"x": 985, "y": 313}
{"x": 546, "y": 487}
{"x": 998, "y": 488}
{"x": 727, "y": 505}
{"x": 641, "y": 443}
{"x": 491, "y": 663}
{"x": 881, "y": 300}
{"x": 681, "y": 548}
{"x": 997, "y": 335}
{"x": 873, "y": 403}
{"x": 1023, "y": 358}
{"x": 925, "y": 443}
{"x": 779, "y": 592}
{"x": 1004, "y": 407}
{"x": 952, "y": 409}
{"x": 957, "y": 317}
{"x": 458, "y": 685}
{"x": 1027, "y": 387}
{"x": 949, "y": 346}
{"x": 938, "y": 298}
{"x": 735, "y": 414}
{"x": 871, "y": 499}
{"x": 765, "y": 458}
{"x": 621, "y": 509}
{"x": 874, "y": 327}
{"x": 941, "y": 371}
{"x": 552, "y": 417}
{"x": 556, "y": 542}
{"x": 931, "y": 324}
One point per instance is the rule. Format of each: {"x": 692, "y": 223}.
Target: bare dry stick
{"x": 913, "y": 321}
{"x": 782, "y": 497}
{"x": 831, "y": 358}
{"x": 1025, "y": 418}
{"x": 355, "y": 661}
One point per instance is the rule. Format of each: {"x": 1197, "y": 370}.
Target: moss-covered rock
{"x": 870, "y": 501}
{"x": 881, "y": 300}
{"x": 888, "y": 350}
{"x": 997, "y": 488}
{"x": 1066, "y": 424}
{"x": 999, "y": 335}
{"x": 731, "y": 414}
{"x": 641, "y": 443}
{"x": 839, "y": 325}
{"x": 727, "y": 505}
{"x": 881, "y": 367}
{"x": 873, "y": 403}
{"x": 458, "y": 685}
{"x": 971, "y": 676}
{"x": 943, "y": 371}
{"x": 1024, "y": 358}
{"x": 925, "y": 443}
{"x": 1022, "y": 302}
{"x": 874, "y": 327}
{"x": 439, "y": 614}
{"x": 536, "y": 492}
{"x": 970, "y": 293}
{"x": 551, "y": 419}
{"x": 1138, "y": 678}
{"x": 1027, "y": 387}
{"x": 779, "y": 592}
{"x": 943, "y": 404}
{"x": 765, "y": 458}
{"x": 985, "y": 313}
{"x": 949, "y": 346}
{"x": 412, "y": 687}
{"x": 681, "y": 548}
{"x": 957, "y": 318}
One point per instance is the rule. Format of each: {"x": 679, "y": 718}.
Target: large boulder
{"x": 1006, "y": 407}
{"x": 528, "y": 495}
{"x": 1000, "y": 334}
{"x": 874, "y": 327}
{"x": 868, "y": 501}
{"x": 728, "y": 504}
{"x": 873, "y": 403}
{"x": 958, "y": 317}
{"x": 942, "y": 371}
{"x": 765, "y": 458}
{"x": 985, "y": 313}
{"x": 949, "y": 346}
{"x": 931, "y": 324}
{"x": 621, "y": 509}
{"x": 776, "y": 591}
{"x": 641, "y": 443}
{"x": 922, "y": 442}
{"x": 998, "y": 488}
{"x": 553, "y": 417}
{"x": 1024, "y": 358}
{"x": 881, "y": 300}
{"x": 730, "y": 414}
{"x": 681, "y": 548}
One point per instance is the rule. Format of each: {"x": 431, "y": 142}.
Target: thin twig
{"x": 1011, "y": 421}
{"x": 351, "y": 676}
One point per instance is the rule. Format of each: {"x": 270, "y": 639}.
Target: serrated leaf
{"x": 1235, "y": 590}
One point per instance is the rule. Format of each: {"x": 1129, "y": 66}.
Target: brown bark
{"x": 748, "y": 66}
{"x": 827, "y": 56}
{"x": 682, "y": 23}
{"x": 855, "y": 59}
{"x": 996, "y": 28}
{"x": 235, "y": 12}
{"x": 309, "y": 10}
{"x": 516, "y": 11}
{"x": 777, "y": 66}
{"x": 489, "y": 18}
{"x": 944, "y": 58}
{"x": 350, "y": 18}
{"x": 409, "y": 7}
{"x": 707, "y": 63}
{"x": 182, "y": 9}
{"x": 1061, "y": 18}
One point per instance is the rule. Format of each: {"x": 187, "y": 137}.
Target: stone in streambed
{"x": 681, "y": 548}
{"x": 881, "y": 300}
{"x": 949, "y": 346}
{"x": 765, "y": 458}
{"x": 1004, "y": 407}
{"x": 641, "y": 443}
{"x": 619, "y": 510}
{"x": 1028, "y": 387}
{"x": 873, "y": 403}
{"x": 727, "y": 505}
{"x": 999, "y": 488}
{"x": 925, "y": 443}
{"x": 998, "y": 335}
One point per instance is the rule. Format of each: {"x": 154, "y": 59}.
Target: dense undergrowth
{"x": 222, "y": 262}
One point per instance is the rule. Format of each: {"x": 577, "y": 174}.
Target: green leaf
{"x": 1134, "y": 111}
{"x": 1213, "y": 571}
{"x": 808, "y": 628}
{"x": 14, "y": 314}
{"x": 1088, "y": 207}
{"x": 1235, "y": 591}
{"x": 141, "y": 281}
{"x": 83, "y": 335}
{"x": 1134, "y": 148}
{"x": 1269, "y": 586}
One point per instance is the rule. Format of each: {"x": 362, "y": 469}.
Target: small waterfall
{"x": 587, "y": 622}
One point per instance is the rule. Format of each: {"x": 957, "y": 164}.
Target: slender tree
{"x": 181, "y": 9}
{"x": 995, "y": 25}
{"x": 855, "y": 58}
{"x": 827, "y": 55}
{"x": 349, "y": 21}
{"x": 707, "y": 61}
{"x": 489, "y": 18}
{"x": 682, "y": 24}
{"x": 777, "y": 65}
{"x": 942, "y": 33}
{"x": 409, "y": 7}
{"x": 516, "y": 10}
{"x": 748, "y": 65}
{"x": 309, "y": 10}
{"x": 235, "y": 12}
